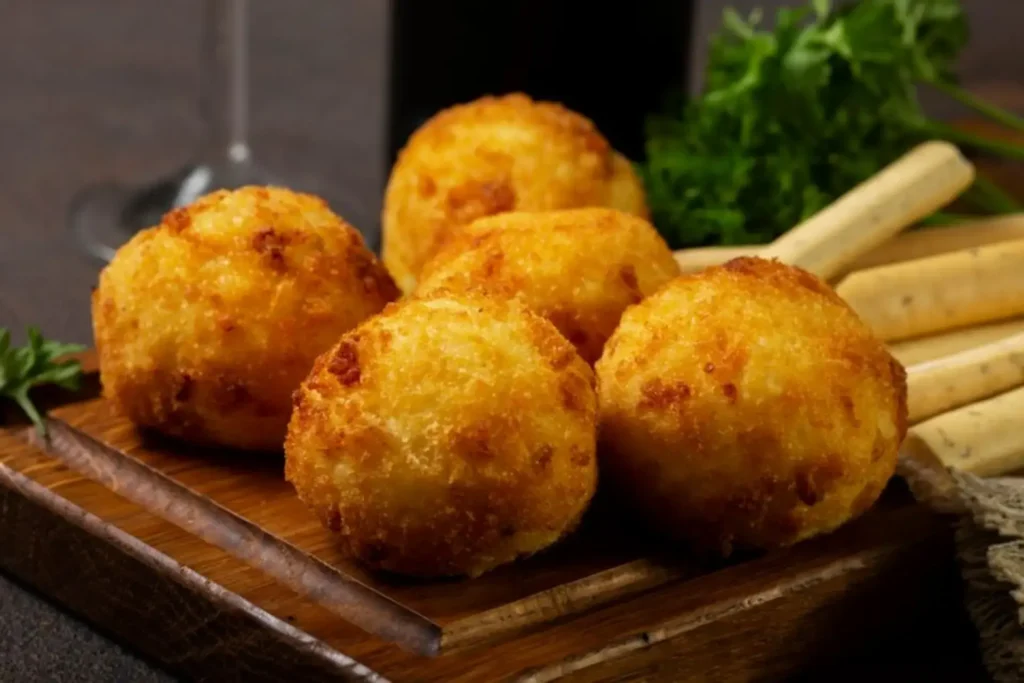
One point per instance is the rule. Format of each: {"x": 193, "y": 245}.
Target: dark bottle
{"x": 613, "y": 62}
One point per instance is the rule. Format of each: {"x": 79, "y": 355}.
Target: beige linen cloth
{"x": 990, "y": 552}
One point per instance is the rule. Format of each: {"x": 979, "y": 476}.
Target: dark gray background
{"x": 102, "y": 90}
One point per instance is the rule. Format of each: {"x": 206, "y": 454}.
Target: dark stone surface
{"x": 39, "y": 642}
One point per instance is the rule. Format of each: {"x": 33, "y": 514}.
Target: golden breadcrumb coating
{"x": 493, "y": 155}
{"x": 207, "y": 323}
{"x": 747, "y": 405}
{"x": 446, "y": 436}
{"x": 579, "y": 268}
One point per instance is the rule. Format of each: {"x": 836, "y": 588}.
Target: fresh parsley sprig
{"x": 24, "y": 367}
{"x": 794, "y": 116}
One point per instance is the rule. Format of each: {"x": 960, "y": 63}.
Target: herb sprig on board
{"x": 24, "y": 367}
{"x": 793, "y": 117}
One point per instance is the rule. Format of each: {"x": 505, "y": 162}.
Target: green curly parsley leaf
{"x": 793, "y": 117}
{"x": 24, "y": 367}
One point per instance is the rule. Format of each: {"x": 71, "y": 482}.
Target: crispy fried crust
{"x": 748, "y": 405}
{"x": 446, "y": 436}
{"x": 493, "y": 155}
{"x": 206, "y": 323}
{"x": 579, "y": 268}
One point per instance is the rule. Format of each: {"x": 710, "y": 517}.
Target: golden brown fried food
{"x": 748, "y": 405}
{"x": 493, "y": 155}
{"x": 579, "y": 268}
{"x": 446, "y": 436}
{"x": 207, "y": 323}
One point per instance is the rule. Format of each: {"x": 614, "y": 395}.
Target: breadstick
{"x": 931, "y": 241}
{"x": 904, "y": 247}
{"x": 921, "y": 349}
{"x": 928, "y": 295}
{"x": 945, "y": 383}
{"x": 925, "y": 179}
{"x": 984, "y": 438}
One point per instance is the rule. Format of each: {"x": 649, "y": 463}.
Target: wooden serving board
{"x": 207, "y": 562}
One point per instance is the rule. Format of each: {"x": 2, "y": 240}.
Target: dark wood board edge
{"x": 792, "y": 588}
{"x": 900, "y": 617}
{"x": 708, "y": 617}
{"x": 133, "y": 591}
{"x": 350, "y": 599}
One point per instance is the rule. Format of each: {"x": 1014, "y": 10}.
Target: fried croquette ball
{"x": 748, "y": 406}
{"x": 206, "y": 323}
{"x": 579, "y": 268}
{"x": 446, "y": 436}
{"x": 493, "y": 155}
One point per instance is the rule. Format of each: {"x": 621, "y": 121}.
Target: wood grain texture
{"x": 210, "y": 632}
{"x": 200, "y": 516}
{"x": 572, "y": 598}
{"x": 599, "y": 607}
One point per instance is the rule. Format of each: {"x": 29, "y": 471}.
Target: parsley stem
{"x": 988, "y": 198}
{"x": 994, "y": 197}
{"x": 22, "y": 399}
{"x": 998, "y": 114}
{"x": 997, "y": 147}
{"x": 946, "y": 218}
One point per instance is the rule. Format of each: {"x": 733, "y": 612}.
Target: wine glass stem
{"x": 225, "y": 81}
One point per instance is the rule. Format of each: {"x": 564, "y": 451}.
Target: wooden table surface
{"x": 105, "y": 90}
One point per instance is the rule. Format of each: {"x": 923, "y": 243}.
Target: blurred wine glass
{"x": 103, "y": 217}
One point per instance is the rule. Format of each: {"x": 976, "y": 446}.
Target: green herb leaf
{"x": 793, "y": 117}
{"x": 36, "y": 363}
